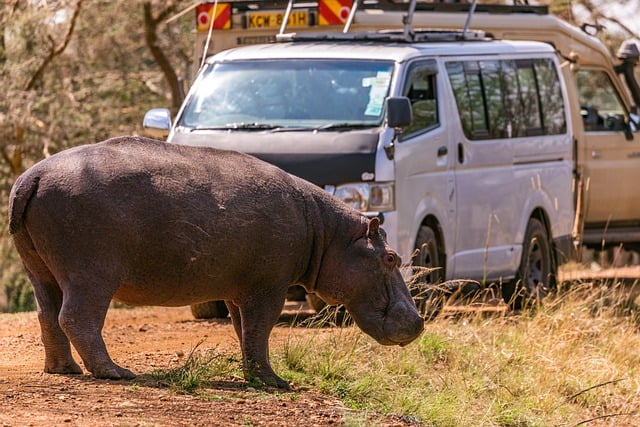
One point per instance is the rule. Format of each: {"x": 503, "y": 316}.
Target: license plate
{"x": 297, "y": 18}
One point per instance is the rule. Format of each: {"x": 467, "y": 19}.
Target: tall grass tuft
{"x": 198, "y": 370}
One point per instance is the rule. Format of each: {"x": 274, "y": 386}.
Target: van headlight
{"x": 366, "y": 196}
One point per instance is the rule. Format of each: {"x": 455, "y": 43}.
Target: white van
{"x": 459, "y": 143}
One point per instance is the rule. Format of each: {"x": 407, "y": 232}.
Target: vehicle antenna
{"x": 206, "y": 45}
{"x": 285, "y": 20}
{"x": 408, "y": 19}
{"x": 352, "y": 14}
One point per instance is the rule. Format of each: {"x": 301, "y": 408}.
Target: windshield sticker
{"x": 379, "y": 86}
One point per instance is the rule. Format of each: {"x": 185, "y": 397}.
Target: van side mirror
{"x": 157, "y": 122}
{"x": 399, "y": 115}
{"x": 399, "y": 112}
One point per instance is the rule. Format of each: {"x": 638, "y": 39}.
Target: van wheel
{"x": 210, "y": 310}
{"x": 428, "y": 270}
{"x": 536, "y": 274}
{"x": 427, "y": 256}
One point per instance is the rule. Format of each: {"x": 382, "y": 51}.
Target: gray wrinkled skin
{"x": 150, "y": 223}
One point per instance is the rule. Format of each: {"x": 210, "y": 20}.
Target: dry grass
{"x": 573, "y": 361}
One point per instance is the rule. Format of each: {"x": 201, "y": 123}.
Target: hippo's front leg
{"x": 253, "y": 322}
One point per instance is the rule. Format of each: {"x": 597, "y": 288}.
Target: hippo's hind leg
{"x": 84, "y": 309}
{"x": 253, "y": 322}
{"x": 57, "y": 349}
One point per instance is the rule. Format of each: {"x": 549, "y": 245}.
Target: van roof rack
{"x": 408, "y": 35}
{"x": 396, "y": 5}
{"x": 387, "y": 36}
{"x": 422, "y": 6}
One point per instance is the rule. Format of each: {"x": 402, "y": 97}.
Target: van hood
{"x": 322, "y": 157}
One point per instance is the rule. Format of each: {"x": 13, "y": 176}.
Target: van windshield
{"x": 281, "y": 94}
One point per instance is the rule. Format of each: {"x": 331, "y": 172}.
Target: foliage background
{"x": 80, "y": 71}
{"x": 97, "y": 86}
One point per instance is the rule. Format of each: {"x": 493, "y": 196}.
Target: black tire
{"x": 428, "y": 270}
{"x": 427, "y": 254}
{"x": 210, "y": 310}
{"x": 536, "y": 275}
{"x": 296, "y": 293}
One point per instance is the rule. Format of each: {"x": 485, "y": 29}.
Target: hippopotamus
{"x": 146, "y": 222}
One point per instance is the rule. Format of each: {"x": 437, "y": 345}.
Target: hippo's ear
{"x": 373, "y": 228}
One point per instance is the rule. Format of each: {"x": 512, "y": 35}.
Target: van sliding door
{"x": 514, "y": 158}
{"x": 484, "y": 174}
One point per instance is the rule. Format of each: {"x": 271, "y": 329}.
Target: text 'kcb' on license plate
{"x": 298, "y": 18}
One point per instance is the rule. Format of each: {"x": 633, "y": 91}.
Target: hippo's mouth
{"x": 391, "y": 327}
{"x": 391, "y": 342}
{"x": 400, "y": 333}
{"x": 399, "y": 342}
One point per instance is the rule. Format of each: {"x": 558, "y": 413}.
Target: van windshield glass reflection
{"x": 275, "y": 94}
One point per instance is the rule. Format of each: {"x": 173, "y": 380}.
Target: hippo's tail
{"x": 23, "y": 189}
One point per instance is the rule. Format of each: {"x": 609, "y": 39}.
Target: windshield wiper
{"x": 239, "y": 126}
{"x": 343, "y": 126}
{"x": 281, "y": 128}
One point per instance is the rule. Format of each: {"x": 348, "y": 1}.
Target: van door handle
{"x": 460, "y": 153}
{"x": 442, "y": 158}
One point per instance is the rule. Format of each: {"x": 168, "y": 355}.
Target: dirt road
{"x": 145, "y": 339}
{"x": 152, "y": 338}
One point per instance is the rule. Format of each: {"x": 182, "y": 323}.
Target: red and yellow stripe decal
{"x": 222, "y": 20}
{"x": 333, "y": 12}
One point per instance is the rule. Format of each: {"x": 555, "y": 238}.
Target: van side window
{"x": 553, "y": 117}
{"x": 420, "y": 88}
{"x": 529, "y": 99}
{"x": 508, "y": 98}
{"x": 600, "y": 105}
{"x": 466, "y": 80}
{"x": 497, "y": 99}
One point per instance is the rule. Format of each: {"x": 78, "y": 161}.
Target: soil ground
{"x": 151, "y": 338}
{"x": 143, "y": 340}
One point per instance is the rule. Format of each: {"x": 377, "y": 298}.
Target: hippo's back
{"x": 164, "y": 213}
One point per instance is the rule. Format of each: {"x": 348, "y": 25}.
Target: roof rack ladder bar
{"x": 352, "y": 14}
{"x": 468, "y": 23}
{"x": 285, "y": 20}
{"x": 408, "y": 19}
{"x": 209, "y": 33}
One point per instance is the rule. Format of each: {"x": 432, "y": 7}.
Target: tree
{"x": 151, "y": 24}
{"x": 600, "y": 15}
{"x": 23, "y": 69}
{"x": 74, "y": 72}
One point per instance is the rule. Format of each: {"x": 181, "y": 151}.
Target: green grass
{"x": 198, "y": 370}
{"x": 573, "y": 361}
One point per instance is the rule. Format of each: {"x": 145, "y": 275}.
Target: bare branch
{"x": 597, "y": 13}
{"x": 55, "y": 51}
{"x": 572, "y": 397}
{"x": 626, "y": 29}
{"x": 602, "y": 417}
{"x": 169, "y": 10}
{"x": 151, "y": 38}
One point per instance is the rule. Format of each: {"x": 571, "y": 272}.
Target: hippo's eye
{"x": 390, "y": 259}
